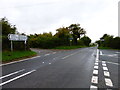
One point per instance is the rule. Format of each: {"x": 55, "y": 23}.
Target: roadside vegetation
{"x": 70, "y": 37}
{"x": 10, "y": 56}
{"x": 109, "y": 42}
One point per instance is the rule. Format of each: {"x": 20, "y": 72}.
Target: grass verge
{"x": 8, "y": 56}
{"x": 68, "y": 47}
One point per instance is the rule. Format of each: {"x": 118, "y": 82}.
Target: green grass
{"x": 8, "y": 56}
{"x": 68, "y": 47}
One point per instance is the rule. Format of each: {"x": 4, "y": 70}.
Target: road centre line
{"x": 19, "y": 61}
{"x": 11, "y": 74}
{"x": 69, "y": 55}
{"x": 53, "y": 52}
{"x": 1, "y": 84}
{"x": 46, "y": 54}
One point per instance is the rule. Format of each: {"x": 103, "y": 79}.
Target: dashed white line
{"x": 95, "y": 67}
{"x": 94, "y": 79}
{"x": 96, "y": 63}
{"x": 108, "y": 82}
{"x": 46, "y": 54}
{"x": 11, "y": 74}
{"x": 54, "y": 52}
{"x": 103, "y": 64}
{"x": 92, "y": 86}
{"x": 106, "y": 73}
{"x": 1, "y": 84}
{"x": 49, "y": 63}
{"x": 105, "y": 68}
{"x": 43, "y": 62}
{"x": 95, "y": 72}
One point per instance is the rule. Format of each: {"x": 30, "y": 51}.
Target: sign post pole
{"x": 11, "y": 46}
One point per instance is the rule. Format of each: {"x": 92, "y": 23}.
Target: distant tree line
{"x": 109, "y": 41}
{"x": 65, "y": 36}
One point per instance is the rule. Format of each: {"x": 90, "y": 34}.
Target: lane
{"x": 109, "y": 64}
{"x": 74, "y": 71}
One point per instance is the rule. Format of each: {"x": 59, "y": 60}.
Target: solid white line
{"x": 95, "y": 67}
{"x": 11, "y": 74}
{"x": 16, "y": 78}
{"x": 19, "y": 61}
{"x": 46, "y": 54}
{"x": 95, "y": 72}
{"x": 94, "y": 79}
{"x": 105, "y": 68}
{"x": 106, "y": 73}
{"x": 108, "y": 82}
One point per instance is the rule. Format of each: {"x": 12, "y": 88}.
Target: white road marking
{"x": 95, "y": 87}
{"x": 95, "y": 72}
{"x": 43, "y": 62}
{"x": 54, "y": 52}
{"x": 106, "y": 73}
{"x": 97, "y": 56}
{"x": 11, "y": 74}
{"x": 46, "y": 54}
{"x": 16, "y": 78}
{"x": 105, "y": 68}
{"x": 104, "y": 64}
{"x": 96, "y": 63}
{"x": 101, "y": 53}
{"x": 95, "y": 67}
{"x": 49, "y": 63}
{"x": 19, "y": 61}
{"x": 94, "y": 79}
{"x": 117, "y": 52}
{"x": 113, "y": 63}
{"x": 108, "y": 82}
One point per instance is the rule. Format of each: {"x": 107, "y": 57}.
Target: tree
{"x": 63, "y": 34}
{"x": 7, "y": 28}
{"x": 86, "y": 40}
{"x": 76, "y": 32}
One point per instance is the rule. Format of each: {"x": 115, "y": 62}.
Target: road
{"x": 79, "y": 68}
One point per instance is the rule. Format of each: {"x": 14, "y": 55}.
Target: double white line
{"x": 3, "y": 83}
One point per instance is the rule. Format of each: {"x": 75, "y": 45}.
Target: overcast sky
{"x": 97, "y": 17}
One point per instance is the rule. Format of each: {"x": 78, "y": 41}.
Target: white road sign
{"x": 17, "y": 37}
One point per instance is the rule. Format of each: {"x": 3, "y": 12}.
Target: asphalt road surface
{"x": 79, "y": 68}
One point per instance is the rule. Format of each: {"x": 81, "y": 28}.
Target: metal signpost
{"x": 17, "y": 37}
